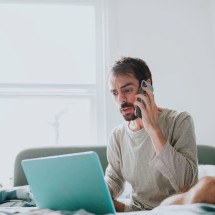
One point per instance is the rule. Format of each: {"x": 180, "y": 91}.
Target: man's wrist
{"x": 119, "y": 206}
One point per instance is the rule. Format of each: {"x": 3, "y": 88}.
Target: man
{"x": 157, "y": 153}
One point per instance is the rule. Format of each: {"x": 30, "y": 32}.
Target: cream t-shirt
{"x": 132, "y": 158}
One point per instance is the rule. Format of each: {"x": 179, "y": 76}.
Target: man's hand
{"x": 119, "y": 206}
{"x": 150, "y": 114}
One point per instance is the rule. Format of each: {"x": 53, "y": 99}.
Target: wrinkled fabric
{"x": 17, "y": 197}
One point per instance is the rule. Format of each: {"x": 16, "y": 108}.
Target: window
{"x": 51, "y": 76}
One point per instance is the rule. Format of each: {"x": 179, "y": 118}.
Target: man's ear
{"x": 149, "y": 81}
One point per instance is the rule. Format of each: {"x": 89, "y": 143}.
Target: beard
{"x": 129, "y": 116}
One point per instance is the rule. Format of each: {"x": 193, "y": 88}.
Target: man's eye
{"x": 114, "y": 93}
{"x": 129, "y": 90}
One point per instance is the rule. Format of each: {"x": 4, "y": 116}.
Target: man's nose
{"x": 121, "y": 98}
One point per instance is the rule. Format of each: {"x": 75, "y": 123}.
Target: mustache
{"x": 126, "y": 105}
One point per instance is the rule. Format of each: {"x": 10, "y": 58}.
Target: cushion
{"x": 206, "y": 170}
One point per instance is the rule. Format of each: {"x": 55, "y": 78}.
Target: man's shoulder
{"x": 116, "y": 135}
{"x": 173, "y": 114}
{"x": 119, "y": 128}
{"x": 173, "y": 117}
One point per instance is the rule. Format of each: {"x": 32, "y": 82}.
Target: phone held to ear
{"x": 137, "y": 110}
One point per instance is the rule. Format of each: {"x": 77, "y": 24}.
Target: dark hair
{"x": 135, "y": 66}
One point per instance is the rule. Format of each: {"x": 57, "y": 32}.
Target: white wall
{"x": 177, "y": 40}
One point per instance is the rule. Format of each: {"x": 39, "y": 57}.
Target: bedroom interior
{"x": 176, "y": 38}
{"x": 205, "y": 168}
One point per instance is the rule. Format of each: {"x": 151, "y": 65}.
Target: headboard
{"x": 19, "y": 176}
{"x": 206, "y": 155}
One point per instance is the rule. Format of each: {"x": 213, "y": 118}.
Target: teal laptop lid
{"x": 69, "y": 182}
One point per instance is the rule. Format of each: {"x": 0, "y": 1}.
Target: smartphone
{"x": 137, "y": 110}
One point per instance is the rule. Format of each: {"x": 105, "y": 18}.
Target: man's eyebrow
{"x": 112, "y": 91}
{"x": 126, "y": 85}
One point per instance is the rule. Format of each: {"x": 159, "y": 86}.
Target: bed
{"x": 18, "y": 201}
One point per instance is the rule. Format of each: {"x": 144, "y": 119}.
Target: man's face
{"x": 124, "y": 88}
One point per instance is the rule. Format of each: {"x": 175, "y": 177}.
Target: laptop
{"x": 69, "y": 182}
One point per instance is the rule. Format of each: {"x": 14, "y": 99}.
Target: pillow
{"x": 206, "y": 170}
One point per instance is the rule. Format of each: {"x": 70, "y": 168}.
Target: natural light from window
{"x": 48, "y": 77}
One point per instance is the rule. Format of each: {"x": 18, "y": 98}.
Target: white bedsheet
{"x": 193, "y": 209}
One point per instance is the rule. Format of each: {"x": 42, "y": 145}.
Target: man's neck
{"x": 135, "y": 125}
